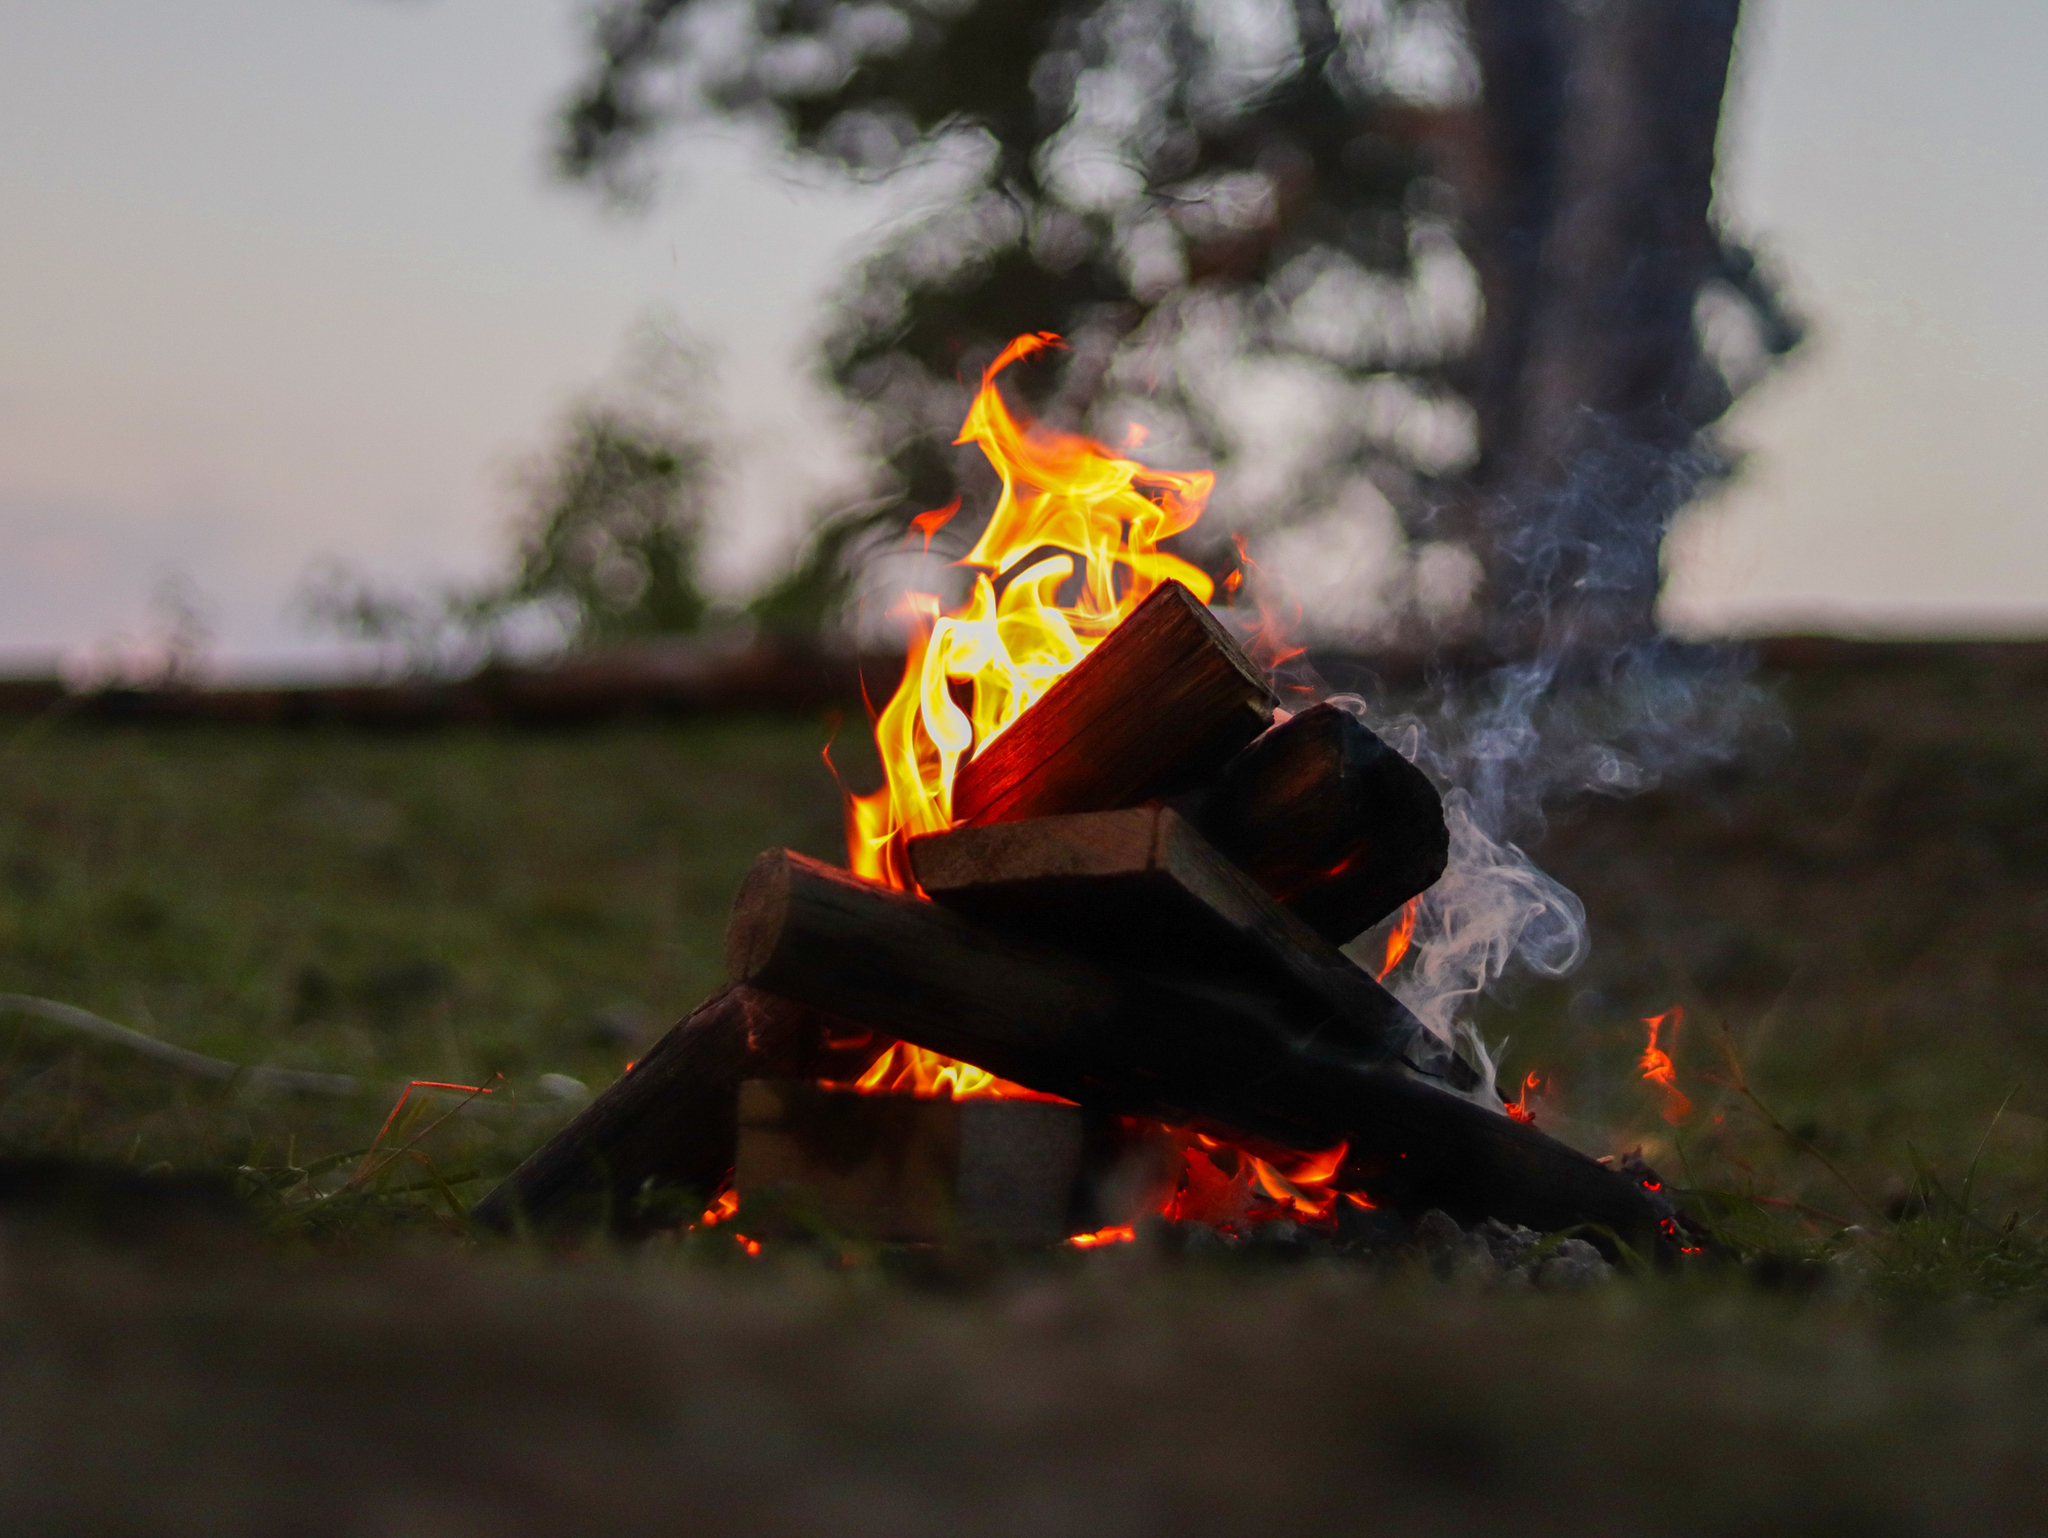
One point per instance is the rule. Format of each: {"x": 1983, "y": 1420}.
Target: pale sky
{"x": 291, "y": 282}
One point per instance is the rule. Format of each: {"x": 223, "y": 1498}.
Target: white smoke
{"x": 1503, "y": 747}
{"x": 1492, "y": 907}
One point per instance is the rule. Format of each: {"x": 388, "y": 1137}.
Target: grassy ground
{"x": 1861, "y": 908}
{"x": 469, "y": 908}
{"x": 1861, "y": 905}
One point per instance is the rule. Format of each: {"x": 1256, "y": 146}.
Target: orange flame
{"x": 1067, "y": 503}
{"x": 1270, "y": 641}
{"x": 930, "y": 523}
{"x": 1399, "y": 938}
{"x": 1519, "y": 1107}
{"x": 1659, "y": 1069}
{"x": 1228, "y": 1188}
{"x": 1122, "y": 1233}
{"x": 907, "y": 1070}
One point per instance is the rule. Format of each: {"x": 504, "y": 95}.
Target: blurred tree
{"x": 604, "y": 547}
{"x": 1471, "y": 243}
{"x": 611, "y": 538}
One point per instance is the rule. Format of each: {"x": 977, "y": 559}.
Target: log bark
{"x": 664, "y": 1133}
{"x": 1329, "y": 819}
{"x": 1152, "y": 1046}
{"x": 1591, "y": 233}
{"x": 1158, "y": 707}
{"x": 1141, "y": 891}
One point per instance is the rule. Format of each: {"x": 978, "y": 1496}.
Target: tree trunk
{"x": 1592, "y": 240}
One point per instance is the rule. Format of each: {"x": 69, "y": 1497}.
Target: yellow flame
{"x": 1069, "y": 506}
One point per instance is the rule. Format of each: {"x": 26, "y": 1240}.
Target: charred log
{"x": 1155, "y": 1046}
{"x": 1329, "y": 819}
{"x": 1142, "y": 891}
{"x": 668, "y": 1127}
{"x": 1158, "y": 707}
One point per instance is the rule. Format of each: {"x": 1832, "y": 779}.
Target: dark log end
{"x": 1329, "y": 819}
{"x": 758, "y": 915}
{"x": 1162, "y": 704}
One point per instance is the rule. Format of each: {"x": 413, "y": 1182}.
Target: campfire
{"x": 1082, "y": 967}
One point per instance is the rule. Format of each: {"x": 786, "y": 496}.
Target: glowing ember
{"x": 366, "y": 1167}
{"x": 1399, "y": 938}
{"x": 1122, "y": 1234}
{"x": 1659, "y": 1069}
{"x": 1519, "y": 1107}
{"x": 1228, "y": 1188}
{"x": 726, "y": 1205}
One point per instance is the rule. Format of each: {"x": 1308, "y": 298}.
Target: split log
{"x": 1329, "y": 819}
{"x": 1152, "y": 1046}
{"x": 665, "y": 1132}
{"x": 1162, "y": 704}
{"x": 1142, "y": 891}
{"x": 908, "y": 1169}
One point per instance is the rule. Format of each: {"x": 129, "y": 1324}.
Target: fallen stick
{"x": 86, "y": 1023}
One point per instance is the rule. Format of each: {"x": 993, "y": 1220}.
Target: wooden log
{"x": 1142, "y": 891}
{"x": 1155, "y": 1046}
{"x": 809, "y": 931}
{"x": 907, "y": 1169}
{"x": 1162, "y": 704}
{"x": 1329, "y": 819}
{"x": 664, "y": 1133}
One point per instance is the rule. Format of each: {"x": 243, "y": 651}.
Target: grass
{"x": 1851, "y": 918}
{"x": 468, "y": 908}
{"x": 1854, "y": 925}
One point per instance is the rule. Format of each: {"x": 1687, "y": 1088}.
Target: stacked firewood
{"x": 1138, "y": 910}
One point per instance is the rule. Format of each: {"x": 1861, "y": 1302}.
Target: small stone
{"x": 1509, "y": 1242}
{"x": 1436, "y": 1230}
{"x": 1573, "y": 1265}
{"x": 625, "y": 1025}
{"x": 1470, "y": 1262}
{"x": 560, "y": 1086}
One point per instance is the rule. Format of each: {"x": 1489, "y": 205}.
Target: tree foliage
{"x": 1351, "y": 205}
{"x": 611, "y": 537}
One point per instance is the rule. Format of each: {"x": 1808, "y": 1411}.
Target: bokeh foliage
{"x": 1376, "y": 211}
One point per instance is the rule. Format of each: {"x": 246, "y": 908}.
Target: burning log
{"x": 907, "y": 1169}
{"x": 1329, "y": 819}
{"x": 669, "y": 1123}
{"x": 1154, "y": 1045}
{"x": 1141, "y": 890}
{"x": 1159, "y": 706}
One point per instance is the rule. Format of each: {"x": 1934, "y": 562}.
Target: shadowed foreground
{"x": 455, "y": 1395}
{"x": 1860, "y": 904}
